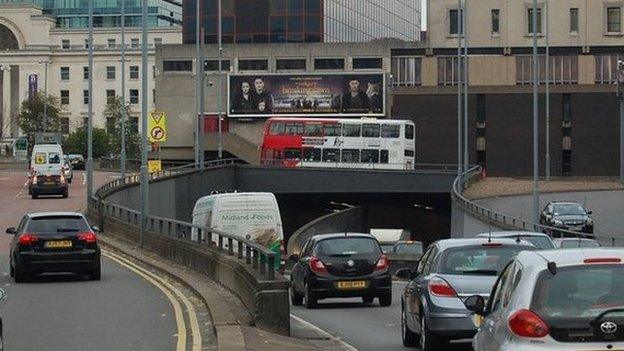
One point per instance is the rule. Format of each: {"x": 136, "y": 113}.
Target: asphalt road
{"x": 367, "y": 328}
{"x": 67, "y": 312}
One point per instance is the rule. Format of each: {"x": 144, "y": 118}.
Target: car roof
{"x": 564, "y": 203}
{"x": 508, "y": 234}
{"x": 54, "y": 214}
{"x": 571, "y": 256}
{"x": 341, "y": 235}
{"x": 450, "y": 243}
{"x": 573, "y": 239}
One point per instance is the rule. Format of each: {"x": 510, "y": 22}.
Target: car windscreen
{"x": 56, "y": 224}
{"x": 579, "y": 243}
{"x": 579, "y": 292}
{"x": 387, "y": 247}
{"x": 411, "y": 248}
{"x": 569, "y": 209}
{"x": 479, "y": 260}
{"x": 337, "y": 247}
{"x": 541, "y": 242}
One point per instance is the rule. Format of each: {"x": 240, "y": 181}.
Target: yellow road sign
{"x": 154, "y": 166}
{"x": 157, "y": 126}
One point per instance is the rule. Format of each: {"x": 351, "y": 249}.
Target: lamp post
{"x": 535, "y": 118}
{"x": 465, "y": 72}
{"x": 122, "y": 155}
{"x": 45, "y": 94}
{"x": 219, "y": 107}
{"x": 459, "y": 91}
{"x": 620, "y": 95}
{"x": 199, "y": 68}
{"x": 90, "y": 109}
{"x": 144, "y": 175}
{"x": 547, "y": 107}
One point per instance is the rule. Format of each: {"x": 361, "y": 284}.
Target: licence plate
{"x": 55, "y": 244}
{"x": 354, "y": 284}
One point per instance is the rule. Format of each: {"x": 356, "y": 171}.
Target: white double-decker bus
{"x": 339, "y": 143}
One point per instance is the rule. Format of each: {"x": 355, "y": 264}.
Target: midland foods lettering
{"x": 246, "y": 217}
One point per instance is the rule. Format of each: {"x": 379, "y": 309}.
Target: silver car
{"x": 540, "y": 240}
{"x": 554, "y": 300}
{"x": 567, "y": 243}
{"x": 432, "y": 304}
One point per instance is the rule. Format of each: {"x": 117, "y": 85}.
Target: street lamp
{"x": 535, "y": 118}
{"x": 620, "y": 97}
{"x": 122, "y": 156}
{"x": 45, "y": 94}
{"x": 90, "y": 109}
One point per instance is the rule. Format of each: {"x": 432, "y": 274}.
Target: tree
{"x": 31, "y": 119}
{"x": 112, "y": 113}
{"x": 76, "y": 143}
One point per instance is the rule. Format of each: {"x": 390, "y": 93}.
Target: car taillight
{"x": 62, "y": 178}
{"x": 34, "y": 179}
{"x": 27, "y": 239}
{"x": 439, "y": 287}
{"x": 383, "y": 263}
{"x": 317, "y": 266}
{"x": 527, "y": 324}
{"x": 88, "y": 237}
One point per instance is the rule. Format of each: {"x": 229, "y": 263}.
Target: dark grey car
{"x": 432, "y": 304}
{"x": 567, "y": 215}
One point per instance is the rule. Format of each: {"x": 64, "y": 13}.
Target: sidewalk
{"x": 495, "y": 187}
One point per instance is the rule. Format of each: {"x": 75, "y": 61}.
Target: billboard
{"x": 333, "y": 95}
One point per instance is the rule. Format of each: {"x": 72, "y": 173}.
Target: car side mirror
{"x": 96, "y": 229}
{"x": 406, "y": 273}
{"x": 590, "y": 212}
{"x": 476, "y": 304}
{"x": 293, "y": 258}
{"x": 11, "y": 230}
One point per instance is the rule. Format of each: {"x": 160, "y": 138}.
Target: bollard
{"x": 271, "y": 266}
{"x": 240, "y": 250}
{"x": 263, "y": 263}
{"x": 220, "y": 242}
{"x": 247, "y": 254}
{"x": 255, "y": 258}
{"x": 230, "y": 247}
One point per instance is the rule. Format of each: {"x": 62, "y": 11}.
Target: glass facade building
{"x": 279, "y": 21}
{"x": 107, "y": 13}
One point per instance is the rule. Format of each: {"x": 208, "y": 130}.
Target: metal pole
{"x": 202, "y": 102}
{"x": 219, "y": 92}
{"x": 547, "y": 107}
{"x": 122, "y": 156}
{"x": 620, "y": 96}
{"x": 198, "y": 69}
{"x": 45, "y": 97}
{"x": 144, "y": 175}
{"x": 465, "y": 73}
{"x": 90, "y": 111}
{"x": 535, "y": 119}
{"x": 459, "y": 92}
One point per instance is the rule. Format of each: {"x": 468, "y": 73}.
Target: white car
{"x": 554, "y": 300}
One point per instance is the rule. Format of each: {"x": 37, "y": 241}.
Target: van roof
{"x": 215, "y": 196}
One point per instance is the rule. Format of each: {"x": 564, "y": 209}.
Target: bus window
{"x": 331, "y": 155}
{"x": 313, "y": 129}
{"x": 276, "y": 128}
{"x": 293, "y": 128}
{"x": 332, "y": 129}
{"x": 383, "y": 156}
{"x": 312, "y": 155}
{"x": 409, "y": 131}
{"x": 351, "y": 130}
{"x": 350, "y": 155}
{"x": 390, "y": 130}
{"x": 371, "y": 156}
{"x": 370, "y": 130}
{"x": 292, "y": 154}
{"x": 409, "y": 153}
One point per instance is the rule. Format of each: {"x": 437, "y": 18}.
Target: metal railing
{"x": 250, "y": 253}
{"x": 506, "y": 221}
{"x": 429, "y": 168}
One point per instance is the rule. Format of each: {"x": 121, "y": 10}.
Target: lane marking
{"x": 196, "y": 334}
{"x": 177, "y": 308}
{"x": 344, "y": 344}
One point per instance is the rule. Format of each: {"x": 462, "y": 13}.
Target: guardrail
{"x": 506, "y": 221}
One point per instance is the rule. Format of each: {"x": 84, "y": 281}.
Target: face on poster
{"x": 306, "y": 94}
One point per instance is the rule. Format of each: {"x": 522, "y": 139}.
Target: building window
{"x": 253, "y": 65}
{"x": 614, "y": 19}
{"x": 574, "y": 23}
{"x": 367, "y": 63}
{"x": 134, "y": 72}
{"x": 453, "y": 28}
{"x": 606, "y": 68}
{"x": 134, "y": 124}
{"x": 213, "y": 65}
{"x": 110, "y": 125}
{"x": 134, "y": 96}
{"x": 177, "y": 66}
{"x": 64, "y": 125}
{"x": 85, "y": 72}
{"x": 406, "y": 71}
{"x": 158, "y": 41}
{"x": 64, "y": 97}
{"x": 134, "y": 43}
{"x": 86, "y": 44}
{"x": 112, "y": 43}
{"x": 85, "y": 97}
{"x": 329, "y": 63}
{"x": 448, "y": 73}
{"x": 530, "y": 21}
{"x": 564, "y": 69}
{"x": 64, "y": 73}
{"x": 110, "y": 96}
{"x": 495, "y": 21}
{"x": 110, "y": 72}
{"x": 291, "y": 64}
{"x": 65, "y": 45}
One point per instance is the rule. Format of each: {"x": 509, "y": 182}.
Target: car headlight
{"x": 558, "y": 222}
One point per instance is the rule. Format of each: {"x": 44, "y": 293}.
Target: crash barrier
{"x": 13, "y": 165}
{"x": 244, "y": 267}
{"x": 504, "y": 221}
{"x": 132, "y": 164}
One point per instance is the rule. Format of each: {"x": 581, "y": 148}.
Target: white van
{"x": 46, "y": 171}
{"x": 254, "y": 216}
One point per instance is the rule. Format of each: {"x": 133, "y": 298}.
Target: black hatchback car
{"x": 341, "y": 265}
{"x": 52, "y": 242}
{"x": 567, "y": 215}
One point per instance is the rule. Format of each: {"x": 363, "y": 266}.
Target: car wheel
{"x": 310, "y": 300}
{"x": 409, "y": 337}
{"x": 96, "y": 274}
{"x": 19, "y": 275}
{"x": 428, "y": 341}
{"x": 295, "y": 297}
{"x": 34, "y": 196}
{"x": 385, "y": 300}
{"x": 367, "y": 300}
{"x": 65, "y": 194}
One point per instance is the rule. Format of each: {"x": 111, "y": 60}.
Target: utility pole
{"x": 144, "y": 175}
{"x": 465, "y": 72}
{"x": 90, "y": 110}
{"x": 535, "y": 119}
{"x": 547, "y": 107}
{"x": 219, "y": 92}
{"x": 459, "y": 91}
{"x": 122, "y": 156}
{"x": 198, "y": 80}
{"x": 620, "y": 95}
{"x": 202, "y": 102}
{"x": 45, "y": 94}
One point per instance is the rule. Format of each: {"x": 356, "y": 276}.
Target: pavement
{"x": 493, "y": 187}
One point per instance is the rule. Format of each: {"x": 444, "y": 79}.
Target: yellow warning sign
{"x": 157, "y": 126}
{"x": 154, "y": 166}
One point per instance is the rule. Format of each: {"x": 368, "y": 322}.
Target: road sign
{"x": 157, "y": 126}
{"x": 154, "y": 166}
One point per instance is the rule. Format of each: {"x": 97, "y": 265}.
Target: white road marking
{"x": 344, "y": 344}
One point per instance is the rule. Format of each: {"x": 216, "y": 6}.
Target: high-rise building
{"x": 297, "y": 21}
